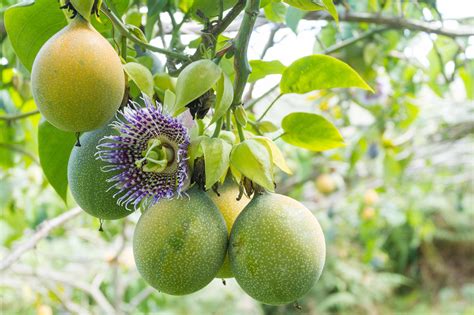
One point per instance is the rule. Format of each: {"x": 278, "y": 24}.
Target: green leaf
{"x": 293, "y": 18}
{"x": 308, "y": 5}
{"x": 54, "y": 148}
{"x": 253, "y": 159}
{"x": 210, "y": 8}
{"x": 311, "y": 131}
{"x": 135, "y": 30}
{"x": 225, "y": 95}
{"x": 467, "y": 75}
{"x": 277, "y": 156}
{"x": 266, "y": 126}
{"x": 275, "y": 12}
{"x": 83, "y": 7}
{"x": 216, "y": 157}
{"x": 331, "y": 8}
{"x": 155, "y": 7}
{"x": 261, "y": 69}
{"x": 315, "y": 5}
{"x": 163, "y": 81}
{"x": 141, "y": 76}
{"x": 318, "y": 72}
{"x": 168, "y": 102}
{"x": 195, "y": 80}
{"x": 119, "y": 7}
{"x": 29, "y": 25}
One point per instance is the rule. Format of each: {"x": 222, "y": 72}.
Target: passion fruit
{"x": 277, "y": 249}
{"x": 180, "y": 244}
{"x": 77, "y": 78}
{"x": 227, "y": 203}
{"x": 325, "y": 183}
{"x": 88, "y": 183}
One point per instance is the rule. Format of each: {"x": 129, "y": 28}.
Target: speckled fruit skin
{"x": 88, "y": 183}
{"x": 180, "y": 244}
{"x": 230, "y": 208}
{"x": 77, "y": 78}
{"x": 277, "y": 249}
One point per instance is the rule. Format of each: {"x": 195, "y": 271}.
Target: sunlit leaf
{"x": 141, "y": 76}
{"x": 318, "y": 72}
{"x": 169, "y": 101}
{"x": 224, "y": 97}
{"x": 216, "y": 157}
{"x": 308, "y": 5}
{"x": 254, "y": 160}
{"x": 277, "y": 156}
{"x": 275, "y": 12}
{"x": 261, "y": 69}
{"x": 195, "y": 80}
{"x": 310, "y": 131}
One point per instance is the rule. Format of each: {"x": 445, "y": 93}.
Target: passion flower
{"x": 148, "y": 157}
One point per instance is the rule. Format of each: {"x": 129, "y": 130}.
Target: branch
{"x": 209, "y": 36}
{"x": 19, "y": 150}
{"x": 227, "y": 20}
{"x": 13, "y": 117}
{"x": 394, "y": 23}
{"x": 124, "y": 31}
{"x": 241, "y": 63}
{"x": 93, "y": 291}
{"x": 44, "y": 229}
{"x": 343, "y": 44}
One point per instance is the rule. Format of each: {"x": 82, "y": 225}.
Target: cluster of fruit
{"x": 272, "y": 244}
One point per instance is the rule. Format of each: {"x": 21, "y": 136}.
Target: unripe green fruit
{"x": 277, "y": 249}
{"x": 230, "y": 209}
{"x": 180, "y": 244}
{"x": 88, "y": 184}
{"x": 77, "y": 78}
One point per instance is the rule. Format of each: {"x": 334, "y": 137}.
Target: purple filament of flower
{"x": 136, "y": 127}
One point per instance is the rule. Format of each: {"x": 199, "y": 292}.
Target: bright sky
{"x": 456, "y": 8}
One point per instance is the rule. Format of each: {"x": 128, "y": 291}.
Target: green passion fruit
{"x": 88, "y": 183}
{"x": 277, "y": 249}
{"x": 180, "y": 244}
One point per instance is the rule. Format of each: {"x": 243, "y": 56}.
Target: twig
{"x": 123, "y": 30}
{"x": 140, "y": 297}
{"x": 44, "y": 229}
{"x": 229, "y": 18}
{"x": 66, "y": 301}
{"x": 343, "y": 44}
{"x": 269, "y": 107}
{"x": 261, "y": 97}
{"x": 13, "y": 117}
{"x": 93, "y": 291}
{"x": 394, "y": 23}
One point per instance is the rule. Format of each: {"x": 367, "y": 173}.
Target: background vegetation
{"x": 398, "y": 224}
